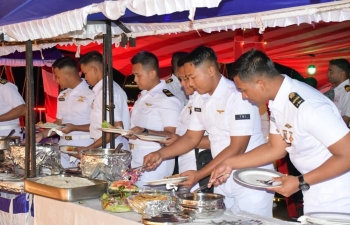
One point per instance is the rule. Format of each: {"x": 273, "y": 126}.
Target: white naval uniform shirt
{"x": 310, "y": 122}
{"x": 342, "y": 98}
{"x": 9, "y": 99}
{"x": 154, "y": 110}
{"x": 74, "y": 106}
{"x": 121, "y": 112}
{"x": 175, "y": 87}
{"x": 222, "y": 115}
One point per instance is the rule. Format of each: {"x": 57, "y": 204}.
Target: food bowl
{"x": 201, "y": 205}
{"x": 104, "y": 163}
{"x": 148, "y": 202}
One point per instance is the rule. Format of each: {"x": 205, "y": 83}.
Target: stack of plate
{"x": 327, "y": 218}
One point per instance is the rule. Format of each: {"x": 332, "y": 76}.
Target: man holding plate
{"x": 304, "y": 123}
{"x": 73, "y": 109}
{"x": 233, "y": 125}
{"x": 156, "y": 112}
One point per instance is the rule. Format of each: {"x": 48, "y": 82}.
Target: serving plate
{"x": 251, "y": 176}
{"x": 150, "y": 137}
{"x": 49, "y": 126}
{"x": 328, "y": 218}
{"x": 114, "y": 130}
{"x": 166, "y": 181}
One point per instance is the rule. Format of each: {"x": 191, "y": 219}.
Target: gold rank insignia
{"x": 81, "y": 98}
{"x": 168, "y": 93}
{"x": 295, "y": 99}
{"x": 347, "y": 88}
{"x": 288, "y": 126}
{"x": 62, "y": 97}
{"x": 147, "y": 104}
{"x": 290, "y": 136}
{"x": 220, "y": 111}
{"x": 284, "y": 134}
{"x": 3, "y": 81}
{"x": 168, "y": 81}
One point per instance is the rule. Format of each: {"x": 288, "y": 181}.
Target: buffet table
{"x": 89, "y": 212}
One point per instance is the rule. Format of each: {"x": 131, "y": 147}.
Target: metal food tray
{"x": 66, "y": 194}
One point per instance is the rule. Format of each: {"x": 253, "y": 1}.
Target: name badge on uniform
{"x": 242, "y": 117}
{"x": 197, "y": 109}
{"x": 61, "y": 99}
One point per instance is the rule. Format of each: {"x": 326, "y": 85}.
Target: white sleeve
{"x": 273, "y": 128}
{"x": 324, "y": 124}
{"x": 243, "y": 117}
{"x": 118, "y": 104}
{"x": 13, "y": 98}
{"x": 170, "y": 112}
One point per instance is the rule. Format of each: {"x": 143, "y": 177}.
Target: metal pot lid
{"x": 168, "y": 218}
{"x": 104, "y": 151}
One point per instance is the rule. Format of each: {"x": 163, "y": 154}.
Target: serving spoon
{"x": 10, "y": 134}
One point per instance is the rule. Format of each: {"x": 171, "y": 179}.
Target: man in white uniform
{"x": 92, "y": 66}
{"x": 173, "y": 82}
{"x": 12, "y": 107}
{"x": 73, "y": 108}
{"x": 233, "y": 125}
{"x": 156, "y": 112}
{"x": 188, "y": 160}
{"x": 312, "y": 131}
{"x": 339, "y": 74}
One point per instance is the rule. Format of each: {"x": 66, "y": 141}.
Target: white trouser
{"x": 5, "y": 130}
{"x": 166, "y": 168}
{"x": 238, "y": 197}
{"x": 66, "y": 160}
{"x": 188, "y": 162}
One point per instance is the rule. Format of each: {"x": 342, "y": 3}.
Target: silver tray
{"x": 167, "y": 218}
{"x": 65, "y": 194}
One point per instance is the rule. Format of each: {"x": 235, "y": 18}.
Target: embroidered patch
{"x": 168, "y": 93}
{"x": 273, "y": 119}
{"x": 347, "y": 88}
{"x": 168, "y": 81}
{"x": 197, "y": 109}
{"x": 81, "y": 98}
{"x": 147, "y": 104}
{"x": 3, "y": 81}
{"x": 295, "y": 99}
{"x": 220, "y": 111}
{"x": 288, "y": 126}
{"x": 242, "y": 117}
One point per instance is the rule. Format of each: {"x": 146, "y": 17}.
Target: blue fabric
{"x": 20, "y": 205}
{"x": 15, "y": 11}
{"x": 51, "y": 53}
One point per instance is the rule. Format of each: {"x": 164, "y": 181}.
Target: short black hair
{"x": 342, "y": 64}
{"x": 252, "y": 64}
{"x": 147, "y": 59}
{"x": 89, "y": 57}
{"x": 65, "y": 62}
{"x": 201, "y": 54}
{"x": 175, "y": 60}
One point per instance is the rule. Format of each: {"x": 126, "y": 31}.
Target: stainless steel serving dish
{"x": 5, "y": 143}
{"x": 65, "y": 194}
{"x": 201, "y": 205}
{"x": 104, "y": 164}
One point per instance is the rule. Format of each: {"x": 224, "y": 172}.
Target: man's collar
{"x": 282, "y": 95}
{"x": 98, "y": 86}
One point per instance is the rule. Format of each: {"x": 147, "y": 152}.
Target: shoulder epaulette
{"x": 167, "y": 93}
{"x": 295, "y": 99}
{"x": 3, "y": 81}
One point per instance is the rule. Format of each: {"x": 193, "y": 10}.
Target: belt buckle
{"x": 68, "y": 138}
{"x": 131, "y": 146}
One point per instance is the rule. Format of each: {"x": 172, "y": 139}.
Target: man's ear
{"x": 261, "y": 84}
{"x": 152, "y": 74}
{"x": 211, "y": 70}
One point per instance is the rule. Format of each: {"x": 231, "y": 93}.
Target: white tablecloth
{"x": 48, "y": 211}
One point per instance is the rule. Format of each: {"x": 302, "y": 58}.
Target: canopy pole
{"x": 104, "y": 92}
{"x": 30, "y": 156}
{"x": 108, "y": 56}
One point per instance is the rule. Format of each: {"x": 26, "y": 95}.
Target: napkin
{"x": 60, "y": 133}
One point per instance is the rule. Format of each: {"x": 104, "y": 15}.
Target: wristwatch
{"x": 302, "y": 184}
{"x": 145, "y": 131}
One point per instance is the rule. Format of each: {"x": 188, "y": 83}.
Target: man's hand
{"x": 137, "y": 130}
{"x": 79, "y": 150}
{"x": 290, "y": 185}
{"x": 222, "y": 168}
{"x": 67, "y": 129}
{"x": 152, "y": 160}
{"x": 193, "y": 178}
{"x": 171, "y": 139}
{"x": 38, "y": 137}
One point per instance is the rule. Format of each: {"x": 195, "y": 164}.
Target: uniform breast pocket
{"x": 220, "y": 120}
{"x": 149, "y": 118}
